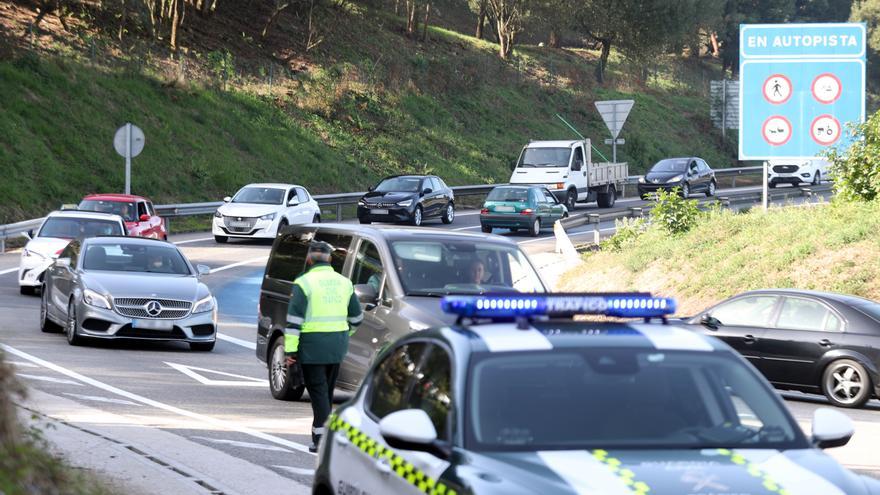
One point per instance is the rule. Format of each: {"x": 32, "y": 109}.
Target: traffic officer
{"x": 321, "y": 316}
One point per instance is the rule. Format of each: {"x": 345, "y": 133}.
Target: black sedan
{"x": 803, "y": 340}
{"x": 407, "y": 198}
{"x": 689, "y": 175}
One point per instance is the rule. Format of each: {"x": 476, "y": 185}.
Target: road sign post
{"x": 614, "y": 113}
{"x": 128, "y": 142}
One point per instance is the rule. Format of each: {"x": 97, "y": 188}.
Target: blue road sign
{"x": 801, "y": 84}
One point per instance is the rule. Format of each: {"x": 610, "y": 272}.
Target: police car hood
{"x": 663, "y": 472}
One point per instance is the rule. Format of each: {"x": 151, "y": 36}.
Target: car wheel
{"x": 201, "y": 346}
{"x": 772, "y": 185}
{"x": 711, "y": 190}
{"x": 316, "y": 218}
{"x": 817, "y": 178}
{"x": 570, "y": 199}
{"x": 72, "y": 328}
{"x": 685, "y": 190}
{"x": 486, "y": 229}
{"x": 449, "y": 216}
{"x": 220, "y": 239}
{"x": 365, "y": 221}
{"x": 846, "y": 383}
{"x": 417, "y": 216}
{"x": 535, "y": 228}
{"x": 281, "y": 225}
{"x": 46, "y": 325}
{"x": 26, "y": 290}
{"x": 279, "y": 381}
{"x": 607, "y": 200}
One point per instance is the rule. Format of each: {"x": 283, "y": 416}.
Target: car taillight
{"x": 484, "y": 211}
{"x": 526, "y": 211}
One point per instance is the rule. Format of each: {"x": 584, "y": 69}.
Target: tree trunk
{"x": 412, "y": 23}
{"x": 425, "y": 25}
{"x": 175, "y": 20}
{"x": 46, "y": 8}
{"x": 122, "y": 20}
{"x": 481, "y": 21}
{"x": 396, "y": 7}
{"x": 273, "y": 17}
{"x": 603, "y": 60}
{"x": 505, "y": 39}
{"x": 714, "y": 39}
{"x": 553, "y": 39}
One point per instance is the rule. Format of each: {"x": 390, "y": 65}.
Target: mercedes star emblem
{"x": 153, "y": 308}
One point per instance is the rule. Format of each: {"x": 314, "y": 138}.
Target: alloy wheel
{"x": 450, "y": 213}
{"x": 685, "y": 190}
{"x": 417, "y": 217}
{"x": 845, "y": 383}
{"x": 279, "y": 369}
{"x": 712, "y": 188}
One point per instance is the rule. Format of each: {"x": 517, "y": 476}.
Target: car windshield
{"x": 621, "y": 398}
{"x": 671, "y": 165}
{"x": 259, "y": 196}
{"x": 519, "y": 194}
{"x": 124, "y": 209}
{"x": 440, "y": 267}
{"x": 544, "y": 157}
{"x": 399, "y": 184}
{"x": 130, "y": 257}
{"x": 73, "y": 228}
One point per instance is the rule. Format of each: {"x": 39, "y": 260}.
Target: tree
{"x": 856, "y": 171}
{"x": 508, "y": 17}
{"x": 480, "y": 8}
{"x": 822, "y": 10}
{"x": 738, "y": 12}
{"x": 868, "y": 11}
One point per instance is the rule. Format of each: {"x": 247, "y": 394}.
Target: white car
{"x": 797, "y": 171}
{"x": 56, "y": 231}
{"x": 259, "y": 211}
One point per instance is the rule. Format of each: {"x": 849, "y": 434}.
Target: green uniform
{"x": 322, "y": 313}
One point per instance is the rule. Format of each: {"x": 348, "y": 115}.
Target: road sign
{"x": 724, "y": 104}
{"x": 614, "y": 113}
{"x": 800, "y": 85}
{"x": 615, "y": 141}
{"x": 128, "y": 142}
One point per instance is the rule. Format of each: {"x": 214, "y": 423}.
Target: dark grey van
{"x": 399, "y": 275}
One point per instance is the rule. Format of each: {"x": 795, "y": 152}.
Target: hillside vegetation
{"x": 832, "y": 247}
{"x": 357, "y": 112}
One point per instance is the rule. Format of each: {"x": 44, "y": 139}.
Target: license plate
{"x": 379, "y": 212}
{"x": 152, "y": 324}
{"x": 505, "y": 209}
{"x": 239, "y": 224}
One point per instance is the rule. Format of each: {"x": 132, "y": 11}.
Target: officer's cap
{"x": 320, "y": 247}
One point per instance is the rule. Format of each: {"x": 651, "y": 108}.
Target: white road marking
{"x": 96, "y": 398}
{"x": 10, "y": 270}
{"x": 208, "y": 420}
{"x": 536, "y": 240}
{"x": 240, "y": 263}
{"x": 193, "y": 240}
{"x": 242, "y": 381}
{"x": 233, "y": 340}
{"x": 296, "y": 470}
{"x": 467, "y": 228}
{"x": 41, "y": 378}
{"x": 468, "y": 214}
{"x": 22, "y": 364}
{"x": 247, "y": 445}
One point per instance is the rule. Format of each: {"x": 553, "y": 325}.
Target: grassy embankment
{"x": 835, "y": 247}
{"x": 371, "y": 103}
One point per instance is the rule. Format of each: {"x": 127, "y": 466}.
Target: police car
{"x": 520, "y": 398}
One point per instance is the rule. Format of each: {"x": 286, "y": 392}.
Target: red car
{"x": 140, "y": 217}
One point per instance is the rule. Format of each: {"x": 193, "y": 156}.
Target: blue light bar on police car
{"x": 507, "y": 305}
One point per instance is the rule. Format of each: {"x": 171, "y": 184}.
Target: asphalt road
{"x": 220, "y": 399}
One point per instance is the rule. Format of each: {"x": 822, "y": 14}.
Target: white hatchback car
{"x": 56, "y": 231}
{"x": 797, "y": 171}
{"x": 259, "y": 211}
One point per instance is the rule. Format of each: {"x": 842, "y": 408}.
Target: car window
{"x": 578, "y": 155}
{"x": 150, "y": 209}
{"x": 549, "y": 197}
{"x": 535, "y": 196}
{"x": 142, "y": 209}
{"x": 704, "y": 167}
{"x": 72, "y": 228}
{"x": 289, "y": 258}
{"x": 340, "y": 243}
{"x": 802, "y": 314}
{"x": 392, "y": 380}
{"x": 442, "y": 184}
{"x": 302, "y": 195}
{"x": 750, "y": 311}
{"x": 136, "y": 257}
{"x": 290, "y": 195}
{"x": 832, "y": 323}
{"x": 432, "y": 389}
{"x": 368, "y": 267}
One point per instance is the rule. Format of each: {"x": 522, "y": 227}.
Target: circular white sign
{"x": 826, "y": 88}
{"x": 777, "y": 89}
{"x": 776, "y": 130}
{"x": 137, "y": 140}
{"x": 825, "y": 130}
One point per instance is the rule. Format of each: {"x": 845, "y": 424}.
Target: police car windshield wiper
{"x": 428, "y": 293}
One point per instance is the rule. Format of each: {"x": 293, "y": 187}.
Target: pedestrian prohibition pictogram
{"x": 777, "y": 89}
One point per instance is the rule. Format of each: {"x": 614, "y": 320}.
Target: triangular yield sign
{"x": 614, "y": 113}
{"x": 240, "y": 381}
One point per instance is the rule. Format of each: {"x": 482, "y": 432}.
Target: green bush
{"x": 856, "y": 171}
{"x": 222, "y": 65}
{"x": 674, "y": 213}
{"x": 627, "y": 231}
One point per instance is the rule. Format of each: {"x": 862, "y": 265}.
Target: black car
{"x": 407, "y": 198}
{"x": 690, "y": 174}
{"x": 804, "y": 340}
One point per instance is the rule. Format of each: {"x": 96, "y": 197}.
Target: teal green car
{"x": 521, "y": 207}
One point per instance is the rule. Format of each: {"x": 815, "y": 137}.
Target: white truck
{"x": 566, "y": 168}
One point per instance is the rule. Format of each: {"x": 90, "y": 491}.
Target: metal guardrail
{"x": 337, "y": 201}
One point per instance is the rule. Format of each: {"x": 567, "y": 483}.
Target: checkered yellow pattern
{"x": 768, "y": 482}
{"x": 403, "y": 468}
{"x": 625, "y": 475}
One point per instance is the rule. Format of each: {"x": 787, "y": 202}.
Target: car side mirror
{"x": 203, "y": 269}
{"x": 144, "y": 218}
{"x": 227, "y": 199}
{"x": 831, "y": 428}
{"x": 366, "y": 295}
{"x": 411, "y": 429}
{"x": 709, "y": 322}
{"x": 427, "y": 190}
{"x": 293, "y": 202}
{"x": 371, "y": 188}
{"x": 63, "y": 262}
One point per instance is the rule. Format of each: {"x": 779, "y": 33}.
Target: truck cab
{"x": 567, "y": 170}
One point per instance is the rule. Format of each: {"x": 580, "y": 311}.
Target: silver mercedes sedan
{"x": 130, "y": 288}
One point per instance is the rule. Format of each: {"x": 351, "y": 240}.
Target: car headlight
{"x": 204, "y": 305}
{"x": 217, "y": 214}
{"x": 405, "y": 203}
{"x": 677, "y": 178}
{"x": 92, "y": 298}
{"x": 269, "y": 216}
{"x": 642, "y": 179}
{"x": 362, "y": 202}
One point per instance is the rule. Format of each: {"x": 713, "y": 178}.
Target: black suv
{"x": 399, "y": 275}
{"x": 407, "y": 198}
